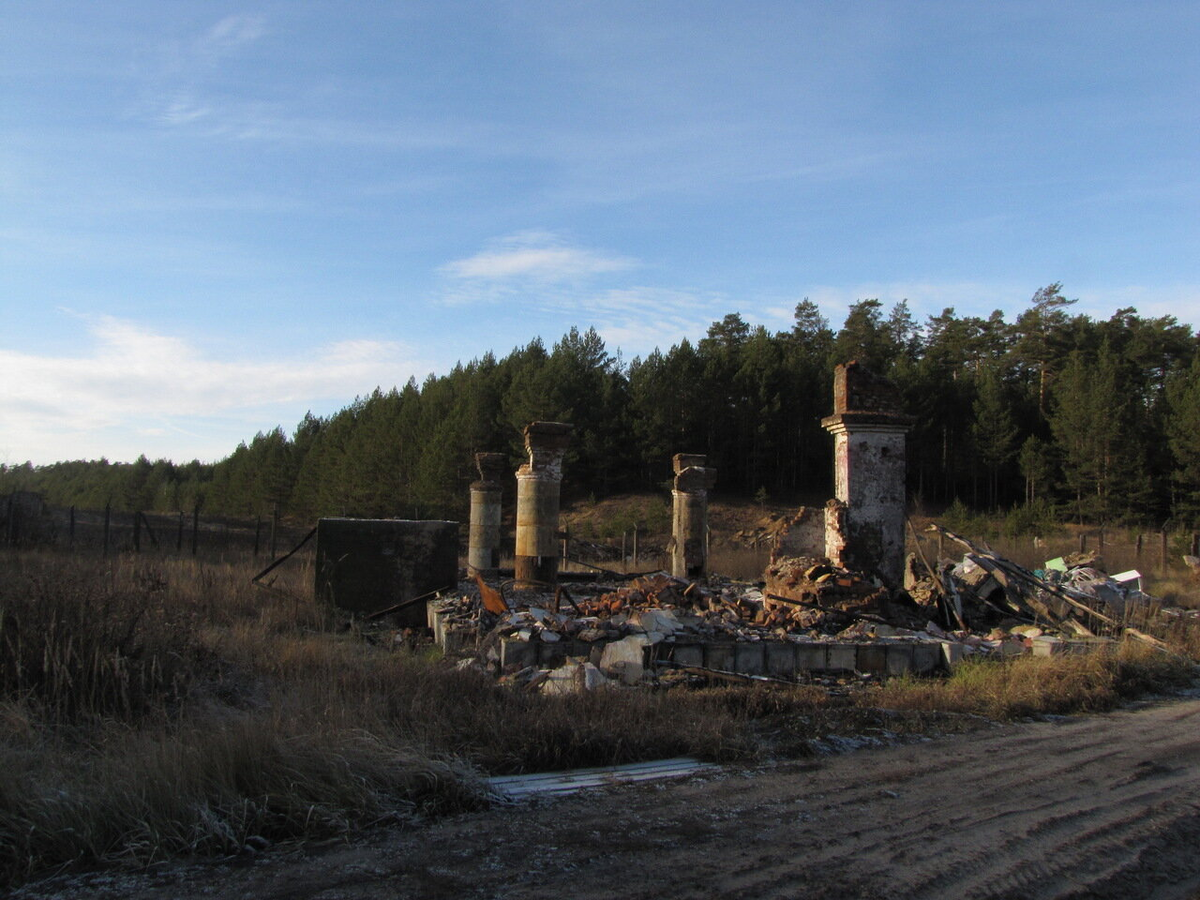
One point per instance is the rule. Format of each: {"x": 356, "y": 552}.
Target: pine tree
{"x": 1183, "y": 432}
{"x": 1040, "y": 331}
{"x": 994, "y": 433}
{"x": 1088, "y": 422}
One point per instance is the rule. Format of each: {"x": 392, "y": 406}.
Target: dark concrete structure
{"x": 366, "y": 565}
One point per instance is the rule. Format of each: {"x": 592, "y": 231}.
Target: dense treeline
{"x": 1099, "y": 418}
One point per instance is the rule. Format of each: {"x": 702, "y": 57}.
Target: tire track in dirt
{"x": 1101, "y": 806}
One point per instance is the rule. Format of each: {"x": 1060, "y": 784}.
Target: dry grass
{"x": 176, "y": 710}
{"x": 152, "y": 712}
{"x": 1030, "y": 686}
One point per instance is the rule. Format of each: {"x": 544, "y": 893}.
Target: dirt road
{"x": 1103, "y": 806}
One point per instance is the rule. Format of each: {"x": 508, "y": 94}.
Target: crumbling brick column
{"x": 538, "y": 485}
{"x": 689, "y": 520}
{"x": 483, "y": 547}
{"x": 869, "y": 474}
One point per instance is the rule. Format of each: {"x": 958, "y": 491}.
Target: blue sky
{"x": 216, "y": 216}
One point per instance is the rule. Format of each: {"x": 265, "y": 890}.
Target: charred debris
{"x": 839, "y": 602}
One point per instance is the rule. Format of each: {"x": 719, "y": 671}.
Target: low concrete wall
{"x": 775, "y": 659}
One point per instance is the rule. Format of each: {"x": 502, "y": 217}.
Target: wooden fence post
{"x": 1162, "y": 556}
{"x": 179, "y": 535}
{"x": 107, "y": 517}
{"x": 195, "y": 525}
{"x": 137, "y": 532}
{"x": 635, "y": 546}
{"x": 11, "y": 532}
{"x": 274, "y": 529}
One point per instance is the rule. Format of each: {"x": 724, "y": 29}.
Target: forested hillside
{"x": 1099, "y": 418}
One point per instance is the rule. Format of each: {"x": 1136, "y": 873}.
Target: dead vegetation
{"x": 150, "y": 711}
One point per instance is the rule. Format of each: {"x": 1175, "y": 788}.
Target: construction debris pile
{"x": 810, "y": 619}
{"x": 657, "y": 627}
{"x": 1072, "y": 595}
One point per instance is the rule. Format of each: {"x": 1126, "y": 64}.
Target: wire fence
{"x": 26, "y": 521}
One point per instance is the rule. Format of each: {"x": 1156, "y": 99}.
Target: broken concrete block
{"x": 592, "y": 677}
{"x": 719, "y": 656}
{"x": 1013, "y": 648}
{"x": 625, "y": 659}
{"x": 780, "y": 659}
{"x": 660, "y": 620}
{"x": 926, "y": 657}
{"x": 687, "y": 654}
{"x": 899, "y": 658}
{"x": 811, "y": 657}
{"x": 872, "y": 658}
{"x": 952, "y": 653}
{"x": 571, "y": 678}
{"x": 563, "y": 680}
{"x": 516, "y": 654}
{"x": 1047, "y": 645}
{"x": 842, "y": 657}
{"x": 749, "y": 658}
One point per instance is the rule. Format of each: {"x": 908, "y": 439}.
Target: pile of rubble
{"x": 809, "y": 619}
{"x": 1071, "y": 595}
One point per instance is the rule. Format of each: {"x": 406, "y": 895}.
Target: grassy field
{"x": 154, "y": 710}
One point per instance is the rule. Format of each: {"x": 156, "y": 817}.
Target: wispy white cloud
{"x": 559, "y": 282}
{"x": 638, "y": 319}
{"x": 538, "y": 256}
{"x": 231, "y": 33}
{"x": 134, "y": 379}
{"x": 182, "y": 110}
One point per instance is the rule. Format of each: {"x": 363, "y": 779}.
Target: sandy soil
{"x": 1102, "y": 806}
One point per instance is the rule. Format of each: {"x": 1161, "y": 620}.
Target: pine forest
{"x": 1054, "y": 413}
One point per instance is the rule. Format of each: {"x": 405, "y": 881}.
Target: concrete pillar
{"x": 868, "y": 429}
{"x": 689, "y": 521}
{"x": 483, "y": 547}
{"x": 538, "y": 484}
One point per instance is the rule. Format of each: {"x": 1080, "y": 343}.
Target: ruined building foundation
{"x": 538, "y": 485}
{"x": 483, "y": 548}
{"x": 689, "y": 520}
{"x": 865, "y": 524}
